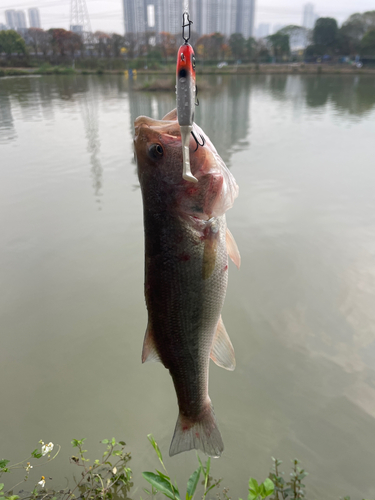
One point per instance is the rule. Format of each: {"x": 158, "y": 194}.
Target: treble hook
{"x": 186, "y": 24}
{"x": 196, "y": 140}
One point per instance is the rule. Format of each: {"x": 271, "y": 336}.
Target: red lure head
{"x": 185, "y": 62}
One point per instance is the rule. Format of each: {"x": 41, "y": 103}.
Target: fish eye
{"x": 155, "y": 151}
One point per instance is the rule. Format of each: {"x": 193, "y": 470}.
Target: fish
{"x": 187, "y": 244}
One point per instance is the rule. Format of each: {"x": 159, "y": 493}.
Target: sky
{"x": 107, "y": 15}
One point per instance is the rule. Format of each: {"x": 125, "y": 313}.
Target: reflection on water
{"x": 7, "y": 132}
{"x": 300, "y": 312}
{"x": 89, "y": 104}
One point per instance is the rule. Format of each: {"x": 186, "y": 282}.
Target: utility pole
{"x": 79, "y": 20}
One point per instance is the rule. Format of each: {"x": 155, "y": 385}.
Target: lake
{"x": 300, "y": 312}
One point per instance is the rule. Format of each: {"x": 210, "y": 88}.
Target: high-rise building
{"x": 34, "y": 18}
{"x": 15, "y": 19}
{"x": 208, "y": 16}
{"x": 134, "y": 16}
{"x": 21, "y": 19}
{"x": 11, "y": 19}
{"x": 223, "y": 16}
{"x": 245, "y": 17}
{"x": 3, "y": 27}
{"x": 309, "y": 16}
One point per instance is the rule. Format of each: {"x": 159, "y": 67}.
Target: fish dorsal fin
{"x": 149, "y": 352}
{"x": 222, "y": 352}
{"x": 232, "y": 249}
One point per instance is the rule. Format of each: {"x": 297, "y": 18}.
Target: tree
{"x": 299, "y": 37}
{"x": 118, "y": 42}
{"x": 74, "y": 43}
{"x": 368, "y": 44}
{"x": 168, "y": 44}
{"x": 359, "y": 24}
{"x": 325, "y": 32}
{"x": 210, "y": 46}
{"x": 250, "y": 48}
{"x": 280, "y": 44}
{"x": 11, "y": 42}
{"x": 59, "y": 40}
{"x": 130, "y": 44}
{"x": 102, "y": 42}
{"x": 237, "y": 45}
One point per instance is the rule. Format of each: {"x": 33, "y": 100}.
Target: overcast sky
{"x": 107, "y": 15}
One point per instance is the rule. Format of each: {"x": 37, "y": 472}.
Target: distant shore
{"x": 245, "y": 69}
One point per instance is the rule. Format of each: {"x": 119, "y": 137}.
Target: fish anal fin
{"x": 149, "y": 352}
{"x": 222, "y": 352}
{"x": 232, "y": 249}
{"x": 201, "y": 433}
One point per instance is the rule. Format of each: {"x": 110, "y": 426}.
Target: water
{"x": 300, "y": 312}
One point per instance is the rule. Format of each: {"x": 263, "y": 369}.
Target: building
{"x": 208, "y": 16}
{"x": 34, "y": 18}
{"x": 134, "y": 16}
{"x": 11, "y": 19}
{"x": 309, "y": 16}
{"x": 245, "y": 17}
{"x": 3, "y": 27}
{"x": 223, "y": 16}
{"x": 15, "y": 19}
{"x": 263, "y": 30}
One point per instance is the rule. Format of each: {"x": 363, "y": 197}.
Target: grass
{"x": 47, "y": 69}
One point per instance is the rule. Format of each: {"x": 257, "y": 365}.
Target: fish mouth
{"x": 148, "y": 129}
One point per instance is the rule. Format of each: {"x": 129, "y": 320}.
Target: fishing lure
{"x": 186, "y": 93}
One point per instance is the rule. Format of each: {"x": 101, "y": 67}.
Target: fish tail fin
{"x": 200, "y": 434}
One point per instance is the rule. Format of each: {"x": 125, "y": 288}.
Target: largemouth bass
{"x": 186, "y": 270}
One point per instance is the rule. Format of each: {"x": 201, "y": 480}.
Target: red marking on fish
{"x": 184, "y": 257}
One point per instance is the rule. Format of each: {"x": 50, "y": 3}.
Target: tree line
{"x": 355, "y": 37}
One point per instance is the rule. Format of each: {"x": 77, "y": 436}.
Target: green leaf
{"x": 161, "y": 485}
{"x": 253, "y": 485}
{"x": 122, "y": 443}
{"x": 13, "y": 497}
{"x": 192, "y": 483}
{"x": 3, "y": 463}
{"x": 208, "y": 466}
{"x": 36, "y": 453}
{"x": 113, "y": 442}
{"x": 253, "y": 496}
{"x": 155, "y": 446}
{"x": 1, "y": 486}
{"x": 269, "y": 487}
{"x": 163, "y": 475}
{"x": 105, "y": 441}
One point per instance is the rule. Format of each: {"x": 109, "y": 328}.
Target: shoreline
{"x": 253, "y": 69}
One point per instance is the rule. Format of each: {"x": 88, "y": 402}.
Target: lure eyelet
{"x": 155, "y": 151}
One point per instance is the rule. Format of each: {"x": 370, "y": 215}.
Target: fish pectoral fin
{"x": 232, "y": 248}
{"x": 149, "y": 352}
{"x": 222, "y": 352}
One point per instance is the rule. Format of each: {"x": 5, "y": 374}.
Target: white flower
{"x": 28, "y": 466}
{"x": 42, "y": 482}
{"x": 114, "y": 470}
{"x": 47, "y": 448}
